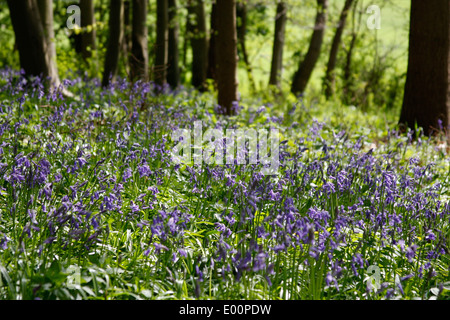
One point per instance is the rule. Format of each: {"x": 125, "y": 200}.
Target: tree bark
{"x": 162, "y": 43}
{"x": 329, "y": 80}
{"x": 116, "y": 20}
{"x": 227, "y": 82}
{"x": 347, "y": 90}
{"x": 46, "y": 14}
{"x": 303, "y": 74}
{"x": 241, "y": 15}
{"x": 139, "y": 42}
{"x": 211, "y": 72}
{"x": 199, "y": 43}
{"x": 88, "y": 25}
{"x": 278, "y": 44}
{"x": 125, "y": 44}
{"x": 427, "y": 88}
{"x": 34, "y": 51}
{"x": 173, "y": 69}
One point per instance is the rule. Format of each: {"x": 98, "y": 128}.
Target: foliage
{"x": 92, "y": 207}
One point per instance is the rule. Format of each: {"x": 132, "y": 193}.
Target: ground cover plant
{"x": 93, "y": 207}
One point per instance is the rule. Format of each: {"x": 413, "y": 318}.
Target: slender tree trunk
{"x": 329, "y": 81}
{"x": 185, "y": 43}
{"x": 116, "y": 20}
{"x": 88, "y": 24}
{"x": 162, "y": 43}
{"x": 30, "y": 39}
{"x": 211, "y": 72}
{"x": 139, "y": 44}
{"x": 125, "y": 45}
{"x": 427, "y": 88}
{"x": 199, "y": 43}
{"x": 227, "y": 56}
{"x": 347, "y": 89}
{"x": 46, "y": 15}
{"x": 278, "y": 44}
{"x": 303, "y": 74}
{"x": 241, "y": 16}
{"x": 173, "y": 70}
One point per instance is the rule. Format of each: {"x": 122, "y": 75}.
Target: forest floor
{"x": 93, "y": 206}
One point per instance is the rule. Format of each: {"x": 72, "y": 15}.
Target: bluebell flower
{"x": 4, "y": 242}
{"x": 259, "y": 262}
{"x": 329, "y": 280}
{"x": 430, "y": 236}
{"x": 144, "y": 171}
{"x": 411, "y": 252}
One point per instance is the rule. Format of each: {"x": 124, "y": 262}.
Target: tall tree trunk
{"x": 278, "y": 44}
{"x": 139, "y": 44}
{"x": 46, "y": 15}
{"x": 173, "y": 70}
{"x": 88, "y": 24}
{"x": 125, "y": 45}
{"x": 116, "y": 20}
{"x": 30, "y": 38}
{"x": 241, "y": 16}
{"x": 227, "y": 58}
{"x": 162, "y": 43}
{"x": 427, "y": 88}
{"x": 303, "y": 74}
{"x": 347, "y": 89}
{"x": 329, "y": 80}
{"x": 211, "y": 72}
{"x": 199, "y": 43}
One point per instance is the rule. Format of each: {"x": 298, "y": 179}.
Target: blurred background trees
{"x": 318, "y": 49}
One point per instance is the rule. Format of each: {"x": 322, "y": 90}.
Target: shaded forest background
{"x": 370, "y": 67}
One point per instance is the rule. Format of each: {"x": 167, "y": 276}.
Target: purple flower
{"x": 357, "y": 260}
{"x": 144, "y": 171}
{"x": 409, "y": 276}
{"x": 343, "y": 180}
{"x": 411, "y": 252}
{"x": 328, "y": 187}
{"x": 274, "y": 196}
{"x": 182, "y": 252}
{"x": 329, "y": 280}
{"x": 430, "y": 236}
{"x": 160, "y": 247}
{"x": 4, "y": 242}
{"x": 259, "y": 263}
{"x": 134, "y": 207}
{"x": 223, "y": 229}
{"x": 199, "y": 273}
{"x": 389, "y": 293}
{"x": 127, "y": 174}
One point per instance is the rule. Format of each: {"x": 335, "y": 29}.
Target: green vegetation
{"x": 93, "y": 207}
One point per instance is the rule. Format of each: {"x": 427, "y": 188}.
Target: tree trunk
{"x": 303, "y": 74}
{"x": 116, "y": 20}
{"x": 125, "y": 44}
{"x": 278, "y": 44}
{"x": 241, "y": 16}
{"x": 427, "y": 88}
{"x": 139, "y": 44}
{"x": 162, "y": 43}
{"x": 211, "y": 72}
{"x": 46, "y": 14}
{"x": 199, "y": 43}
{"x": 88, "y": 24}
{"x": 329, "y": 80}
{"x": 34, "y": 52}
{"x": 173, "y": 70}
{"x": 347, "y": 90}
{"x": 227, "y": 56}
